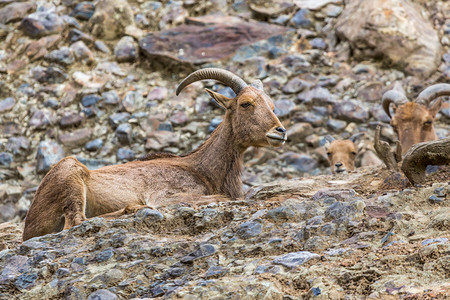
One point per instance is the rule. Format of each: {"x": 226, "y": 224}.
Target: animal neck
{"x": 220, "y": 161}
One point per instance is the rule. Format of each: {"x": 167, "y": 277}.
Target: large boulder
{"x": 110, "y": 19}
{"x": 395, "y": 31}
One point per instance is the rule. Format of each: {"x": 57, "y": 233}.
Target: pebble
{"x": 126, "y": 50}
{"x": 90, "y": 99}
{"x": 102, "y": 294}
{"x": 7, "y": 104}
{"x": 298, "y": 132}
{"x": 118, "y": 118}
{"x": 300, "y": 162}
{"x": 149, "y": 216}
{"x": 63, "y": 56}
{"x": 76, "y": 35}
{"x": 111, "y": 98}
{"x": 83, "y": 11}
{"x": 249, "y": 229}
{"x": 284, "y": 107}
{"x": 350, "y": 111}
{"x": 40, "y": 24}
{"x": 295, "y": 259}
{"x": 125, "y": 154}
{"x": 41, "y": 119}
{"x": 295, "y": 85}
{"x": 302, "y": 19}
{"x": 70, "y": 119}
{"x": 18, "y": 145}
{"x": 75, "y": 138}
{"x": 52, "y": 74}
{"x": 94, "y": 145}
{"x": 124, "y": 133}
{"x": 82, "y": 53}
{"x": 6, "y": 158}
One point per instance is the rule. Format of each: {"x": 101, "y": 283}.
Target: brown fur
{"x": 341, "y": 155}
{"x": 70, "y": 193}
{"x": 414, "y": 123}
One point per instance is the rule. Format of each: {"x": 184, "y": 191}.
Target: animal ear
{"x": 435, "y": 107}
{"x": 394, "y": 108}
{"x": 220, "y": 99}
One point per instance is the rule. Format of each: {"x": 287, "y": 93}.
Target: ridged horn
{"x": 432, "y": 92}
{"x": 223, "y": 76}
{"x": 392, "y": 96}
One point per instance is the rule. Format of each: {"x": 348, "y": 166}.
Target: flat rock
{"x": 212, "y": 38}
{"x": 16, "y": 11}
{"x": 40, "y": 24}
{"x": 76, "y": 138}
{"x": 315, "y": 4}
{"x": 295, "y": 259}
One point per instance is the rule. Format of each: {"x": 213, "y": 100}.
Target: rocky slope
{"x": 97, "y": 79}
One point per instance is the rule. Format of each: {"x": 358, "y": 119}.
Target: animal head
{"x": 414, "y": 121}
{"x": 342, "y": 153}
{"x": 250, "y": 113}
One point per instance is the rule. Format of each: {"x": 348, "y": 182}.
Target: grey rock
{"x": 76, "y": 35}
{"x": 70, "y": 119}
{"x": 336, "y": 125}
{"x": 102, "y": 295}
{"x": 83, "y": 11}
{"x": 204, "y": 250}
{"x": 126, "y": 50}
{"x": 52, "y": 74}
{"x": 249, "y": 229}
{"x": 90, "y": 99}
{"x": 302, "y": 19}
{"x": 41, "y": 119}
{"x": 111, "y": 98}
{"x": 82, "y": 53}
{"x": 118, "y": 118}
{"x": 76, "y": 138}
{"x": 281, "y": 213}
{"x": 62, "y": 56}
{"x": 350, "y": 111}
{"x": 284, "y": 107}
{"x": 179, "y": 118}
{"x": 7, "y": 104}
{"x": 295, "y": 85}
{"x": 48, "y": 154}
{"x": 124, "y": 133}
{"x": 103, "y": 26}
{"x": 6, "y": 158}
{"x": 337, "y": 194}
{"x": 295, "y": 259}
{"x": 318, "y": 43}
{"x": 101, "y": 46}
{"x": 25, "y": 281}
{"x": 215, "y": 272}
{"x": 15, "y": 11}
{"x": 298, "y": 132}
{"x": 40, "y": 24}
{"x": 301, "y": 162}
{"x": 149, "y": 216}
{"x": 125, "y": 154}
{"x": 18, "y": 145}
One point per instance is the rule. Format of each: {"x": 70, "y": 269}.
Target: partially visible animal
{"x": 70, "y": 193}
{"x": 413, "y": 121}
{"x": 342, "y": 153}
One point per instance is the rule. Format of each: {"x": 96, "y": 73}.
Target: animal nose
{"x": 280, "y": 129}
{"x": 338, "y": 164}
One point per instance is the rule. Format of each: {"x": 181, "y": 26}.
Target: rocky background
{"x": 97, "y": 79}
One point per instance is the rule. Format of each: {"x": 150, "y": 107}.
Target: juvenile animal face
{"x": 414, "y": 123}
{"x": 253, "y": 120}
{"x": 341, "y": 155}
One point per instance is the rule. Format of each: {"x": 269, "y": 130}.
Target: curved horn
{"x": 392, "y": 96}
{"x": 432, "y": 92}
{"x": 223, "y": 76}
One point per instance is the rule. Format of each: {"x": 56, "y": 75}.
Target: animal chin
{"x": 275, "y": 140}
{"x": 340, "y": 171}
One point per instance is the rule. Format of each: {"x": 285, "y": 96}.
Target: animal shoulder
{"x": 153, "y": 156}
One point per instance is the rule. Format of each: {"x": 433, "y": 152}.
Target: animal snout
{"x": 281, "y": 129}
{"x": 338, "y": 164}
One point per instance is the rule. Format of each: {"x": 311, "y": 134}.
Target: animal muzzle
{"x": 277, "y": 136}
{"x": 339, "y": 168}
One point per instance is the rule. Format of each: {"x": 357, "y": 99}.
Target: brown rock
{"x": 16, "y": 11}
{"x": 212, "y": 38}
{"x": 394, "y": 30}
{"x": 110, "y": 19}
{"x": 76, "y": 138}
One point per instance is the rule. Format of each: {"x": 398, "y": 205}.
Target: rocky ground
{"x": 97, "y": 79}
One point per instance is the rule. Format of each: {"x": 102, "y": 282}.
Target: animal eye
{"x": 246, "y": 104}
{"x": 329, "y": 153}
{"x": 428, "y": 123}
{"x": 353, "y": 153}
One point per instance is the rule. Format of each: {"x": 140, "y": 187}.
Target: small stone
{"x": 124, "y": 133}
{"x": 70, "y": 119}
{"x": 249, "y": 229}
{"x": 336, "y": 125}
{"x": 337, "y": 194}
{"x": 318, "y": 43}
{"x": 149, "y": 216}
{"x": 118, "y": 118}
{"x": 295, "y": 259}
{"x": 76, "y": 138}
{"x": 111, "y": 98}
{"x": 125, "y": 154}
{"x": 62, "y": 56}
{"x": 159, "y": 140}
{"x": 7, "y": 104}
{"x": 62, "y": 272}
{"x": 350, "y": 111}
{"x": 131, "y": 101}
{"x": 295, "y": 85}
{"x": 300, "y": 162}
{"x": 82, "y": 53}
{"x": 157, "y": 94}
{"x": 215, "y": 272}
{"x": 50, "y": 75}
{"x": 90, "y": 100}
{"x": 436, "y": 240}
{"x": 48, "y": 154}
{"x": 94, "y": 145}
{"x": 126, "y": 50}
{"x": 16, "y": 11}
{"x": 301, "y": 19}
{"x": 179, "y": 118}
{"x": 25, "y": 281}
{"x": 41, "y": 119}
{"x": 167, "y": 126}
{"x": 83, "y": 11}
{"x": 284, "y": 107}
{"x": 317, "y": 96}
{"x": 281, "y": 213}
{"x": 101, "y": 46}
{"x": 40, "y": 24}
{"x": 214, "y": 123}
{"x": 76, "y": 35}
{"x": 6, "y": 158}
{"x": 440, "y": 191}
{"x": 433, "y": 199}
{"x": 298, "y": 132}
{"x": 102, "y": 295}
{"x": 203, "y": 251}
{"x": 18, "y": 145}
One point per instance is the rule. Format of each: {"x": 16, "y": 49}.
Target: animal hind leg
{"x": 75, "y": 203}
